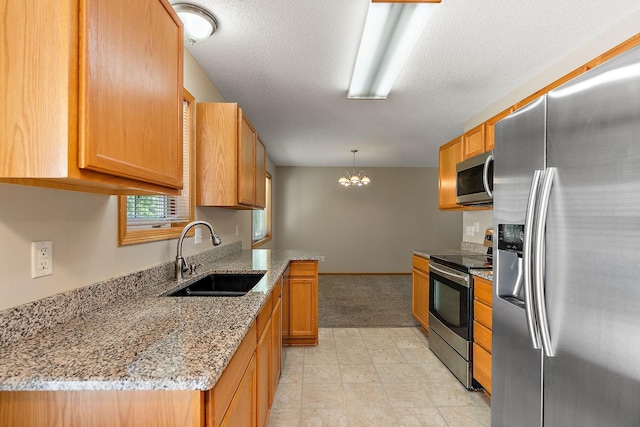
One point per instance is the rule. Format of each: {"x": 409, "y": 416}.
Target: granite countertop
{"x": 427, "y": 253}
{"x": 148, "y": 341}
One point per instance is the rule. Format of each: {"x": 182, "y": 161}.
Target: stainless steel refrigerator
{"x": 566, "y": 305}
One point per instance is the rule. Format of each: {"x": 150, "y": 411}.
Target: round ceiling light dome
{"x": 199, "y": 24}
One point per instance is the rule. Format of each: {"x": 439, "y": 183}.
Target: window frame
{"x": 128, "y": 236}
{"x": 268, "y": 215}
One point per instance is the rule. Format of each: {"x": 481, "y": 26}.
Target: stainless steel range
{"x": 451, "y": 311}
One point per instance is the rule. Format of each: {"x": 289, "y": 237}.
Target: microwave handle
{"x": 485, "y": 175}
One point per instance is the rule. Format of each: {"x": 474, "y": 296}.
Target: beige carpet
{"x": 364, "y": 301}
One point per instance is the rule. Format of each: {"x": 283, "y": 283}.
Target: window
{"x": 150, "y": 218}
{"x": 262, "y": 219}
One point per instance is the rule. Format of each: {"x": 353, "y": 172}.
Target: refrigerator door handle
{"x": 485, "y": 175}
{"x": 532, "y": 325}
{"x": 538, "y": 260}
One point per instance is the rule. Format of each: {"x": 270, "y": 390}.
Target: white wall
{"x": 484, "y": 219}
{"x": 83, "y": 228}
{"x": 611, "y": 38}
{"x": 368, "y": 229}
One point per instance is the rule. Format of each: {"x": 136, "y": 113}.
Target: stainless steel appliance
{"x": 566, "y": 307}
{"x": 451, "y": 311}
{"x": 474, "y": 180}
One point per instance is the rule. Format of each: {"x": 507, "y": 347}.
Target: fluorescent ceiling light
{"x": 390, "y": 34}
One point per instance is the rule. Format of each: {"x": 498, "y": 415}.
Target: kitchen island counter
{"x": 147, "y": 341}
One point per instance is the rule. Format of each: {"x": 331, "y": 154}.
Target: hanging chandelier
{"x": 350, "y": 179}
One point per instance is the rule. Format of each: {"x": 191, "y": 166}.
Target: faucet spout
{"x": 180, "y": 267}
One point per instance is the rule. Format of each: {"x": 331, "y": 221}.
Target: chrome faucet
{"x": 180, "y": 267}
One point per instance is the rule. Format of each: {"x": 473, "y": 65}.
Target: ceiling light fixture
{"x": 354, "y": 179}
{"x": 390, "y": 34}
{"x": 199, "y": 24}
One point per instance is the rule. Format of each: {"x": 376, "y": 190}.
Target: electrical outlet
{"x": 477, "y": 226}
{"x": 41, "y": 258}
{"x": 470, "y": 230}
{"x": 236, "y": 229}
{"x": 198, "y": 236}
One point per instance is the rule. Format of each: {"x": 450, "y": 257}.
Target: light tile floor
{"x": 372, "y": 377}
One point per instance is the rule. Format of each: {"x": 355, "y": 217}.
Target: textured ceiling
{"x": 288, "y": 64}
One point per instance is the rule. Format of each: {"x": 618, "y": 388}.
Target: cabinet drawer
{"x": 482, "y": 290}
{"x": 303, "y": 268}
{"x": 482, "y": 314}
{"x": 482, "y": 367}
{"x": 482, "y": 336}
{"x": 421, "y": 263}
{"x": 275, "y": 294}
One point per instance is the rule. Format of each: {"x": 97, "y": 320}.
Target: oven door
{"x": 449, "y": 299}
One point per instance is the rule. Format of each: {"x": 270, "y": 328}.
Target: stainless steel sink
{"x": 220, "y": 285}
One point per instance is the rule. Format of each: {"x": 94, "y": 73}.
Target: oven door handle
{"x": 450, "y": 275}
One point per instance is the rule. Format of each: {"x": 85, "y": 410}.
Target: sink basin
{"x": 220, "y": 285}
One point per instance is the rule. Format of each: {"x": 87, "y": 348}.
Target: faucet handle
{"x": 192, "y": 268}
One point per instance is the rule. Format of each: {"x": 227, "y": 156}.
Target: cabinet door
{"x": 420, "y": 297}
{"x": 473, "y": 142}
{"x": 450, "y": 156}
{"x": 286, "y": 279}
{"x": 260, "y": 174}
{"x": 482, "y": 366}
{"x": 246, "y": 165}
{"x": 242, "y": 410}
{"x": 276, "y": 343}
{"x": 489, "y": 136}
{"x": 263, "y": 365}
{"x": 303, "y": 308}
{"x": 130, "y": 100}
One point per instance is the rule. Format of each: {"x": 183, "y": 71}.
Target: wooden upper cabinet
{"x": 92, "y": 95}
{"x": 231, "y": 159}
{"x": 450, "y": 156}
{"x": 246, "y": 165}
{"x": 260, "y": 173}
{"x": 489, "y": 139}
{"x": 473, "y": 142}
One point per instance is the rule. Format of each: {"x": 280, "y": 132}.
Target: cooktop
{"x": 465, "y": 262}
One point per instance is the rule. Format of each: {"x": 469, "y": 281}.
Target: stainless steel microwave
{"x": 474, "y": 180}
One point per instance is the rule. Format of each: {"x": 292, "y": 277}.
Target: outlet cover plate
{"x": 41, "y": 258}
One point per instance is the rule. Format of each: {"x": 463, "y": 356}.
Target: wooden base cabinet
{"x": 420, "y": 291}
{"x": 92, "y": 95}
{"x": 268, "y": 354}
{"x": 482, "y": 326}
{"x": 242, "y": 409}
{"x": 150, "y": 408}
{"x": 276, "y": 341}
{"x": 300, "y": 299}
